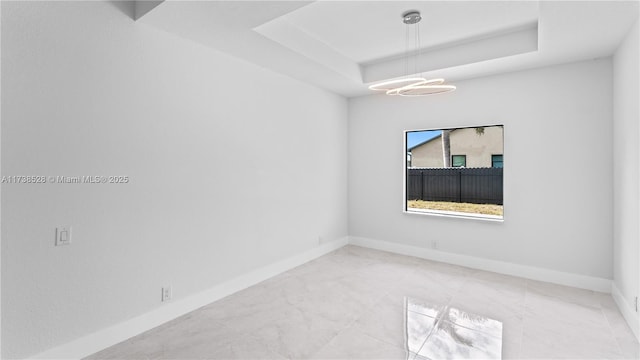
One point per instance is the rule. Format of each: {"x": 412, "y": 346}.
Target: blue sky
{"x": 416, "y": 137}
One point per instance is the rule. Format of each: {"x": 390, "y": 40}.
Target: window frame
{"x": 501, "y": 160}
{"x": 463, "y": 156}
{"x": 436, "y": 213}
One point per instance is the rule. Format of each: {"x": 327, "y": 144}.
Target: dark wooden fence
{"x": 468, "y": 185}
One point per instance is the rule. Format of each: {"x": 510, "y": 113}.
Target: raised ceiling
{"x": 342, "y": 46}
{"x": 368, "y": 31}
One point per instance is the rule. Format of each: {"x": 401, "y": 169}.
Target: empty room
{"x": 319, "y": 179}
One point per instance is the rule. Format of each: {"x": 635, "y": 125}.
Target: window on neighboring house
{"x": 496, "y": 161}
{"x": 455, "y": 172}
{"x": 459, "y": 161}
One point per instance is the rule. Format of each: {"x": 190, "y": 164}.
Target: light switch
{"x": 63, "y": 235}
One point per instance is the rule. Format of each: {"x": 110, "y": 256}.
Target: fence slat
{"x": 467, "y": 185}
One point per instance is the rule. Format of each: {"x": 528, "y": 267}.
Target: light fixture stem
{"x": 418, "y": 46}
{"x": 406, "y": 52}
{"x": 415, "y": 43}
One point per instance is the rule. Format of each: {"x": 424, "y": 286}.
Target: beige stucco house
{"x": 468, "y": 149}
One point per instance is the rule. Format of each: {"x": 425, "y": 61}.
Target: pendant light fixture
{"x": 412, "y": 85}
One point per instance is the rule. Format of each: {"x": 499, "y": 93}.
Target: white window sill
{"x": 455, "y": 214}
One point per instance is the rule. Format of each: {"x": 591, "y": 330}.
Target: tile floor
{"x": 350, "y": 304}
{"x": 437, "y": 331}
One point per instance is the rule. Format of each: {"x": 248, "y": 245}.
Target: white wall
{"x": 626, "y": 182}
{"x": 211, "y": 145}
{"x": 0, "y": 184}
{"x": 557, "y": 151}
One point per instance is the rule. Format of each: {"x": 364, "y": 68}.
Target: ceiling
{"x": 343, "y": 46}
{"x": 368, "y": 31}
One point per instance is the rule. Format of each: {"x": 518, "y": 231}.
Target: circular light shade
{"x": 419, "y": 83}
{"x": 423, "y": 90}
{"x": 395, "y": 84}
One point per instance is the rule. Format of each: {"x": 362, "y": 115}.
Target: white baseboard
{"x": 627, "y": 310}
{"x": 529, "y": 272}
{"x": 102, "y": 339}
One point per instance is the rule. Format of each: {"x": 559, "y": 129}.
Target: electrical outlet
{"x": 63, "y": 235}
{"x": 434, "y": 245}
{"x": 166, "y": 294}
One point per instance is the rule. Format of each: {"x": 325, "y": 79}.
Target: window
{"x": 459, "y": 160}
{"x": 496, "y": 161}
{"x": 455, "y": 172}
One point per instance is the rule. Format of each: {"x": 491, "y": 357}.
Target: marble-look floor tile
{"x": 425, "y": 307}
{"x": 330, "y": 267}
{"x": 384, "y": 322}
{"x": 418, "y": 327}
{"x": 192, "y": 337}
{"x": 506, "y": 306}
{"x": 298, "y": 335}
{"x": 553, "y": 313}
{"x": 384, "y": 272}
{"x": 539, "y": 346}
{"x": 338, "y": 304}
{"x": 134, "y": 348}
{"x": 451, "y": 341}
{"x": 512, "y": 349}
{"x": 473, "y": 321}
{"x": 353, "y": 257}
{"x": 629, "y": 347}
{"x": 506, "y": 281}
{"x": 455, "y": 271}
{"x": 451, "y": 279}
{"x": 419, "y": 286}
{"x": 565, "y": 293}
{"x": 605, "y": 300}
{"x": 446, "y": 332}
{"x": 618, "y": 325}
{"x": 363, "y": 253}
{"x": 554, "y": 328}
{"x": 502, "y": 301}
{"x": 247, "y": 315}
{"x": 245, "y": 347}
{"x": 354, "y": 344}
{"x": 352, "y": 303}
